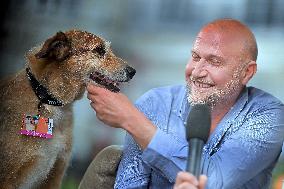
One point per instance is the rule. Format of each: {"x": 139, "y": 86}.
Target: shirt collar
{"x": 238, "y": 107}
{"x": 184, "y": 106}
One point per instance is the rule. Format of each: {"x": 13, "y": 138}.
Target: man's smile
{"x": 201, "y": 84}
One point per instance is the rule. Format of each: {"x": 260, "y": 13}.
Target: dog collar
{"x": 41, "y": 92}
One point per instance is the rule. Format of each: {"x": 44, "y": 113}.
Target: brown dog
{"x": 56, "y": 74}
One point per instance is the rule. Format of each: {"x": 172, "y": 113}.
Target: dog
{"x": 55, "y": 75}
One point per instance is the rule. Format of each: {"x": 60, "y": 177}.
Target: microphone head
{"x": 198, "y": 122}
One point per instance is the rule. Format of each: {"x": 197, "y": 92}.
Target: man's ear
{"x": 249, "y": 72}
{"x": 56, "y": 48}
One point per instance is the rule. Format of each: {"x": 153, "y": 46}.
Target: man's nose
{"x": 199, "y": 69}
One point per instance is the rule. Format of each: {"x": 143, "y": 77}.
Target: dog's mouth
{"x": 105, "y": 81}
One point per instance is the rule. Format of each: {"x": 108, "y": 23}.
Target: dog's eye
{"x": 57, "y": 44}
{"x": 99, "y": 50}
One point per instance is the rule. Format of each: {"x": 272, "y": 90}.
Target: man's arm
{"x": 157, "y": 149}
{"x": 115, "y": 110}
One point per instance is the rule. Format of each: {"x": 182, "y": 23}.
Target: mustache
{"x": 201, "y": 80}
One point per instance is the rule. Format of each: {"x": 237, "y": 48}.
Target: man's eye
{"x": 99, "y": 50}
{"x": 215, "y": 62}
{"x": 195, "y": 57}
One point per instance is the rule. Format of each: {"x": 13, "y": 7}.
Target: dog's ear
{"x": 57, "y": 48}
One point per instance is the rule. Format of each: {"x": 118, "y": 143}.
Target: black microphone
{"x": 197, "y": 132}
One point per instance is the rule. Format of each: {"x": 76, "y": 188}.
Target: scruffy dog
{"x": 55, "y": 76}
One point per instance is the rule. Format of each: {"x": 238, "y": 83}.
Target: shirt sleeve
{"x": 132, "y": 171}
{"x": 165, "y": 153}
{"x": 254, "y": 147}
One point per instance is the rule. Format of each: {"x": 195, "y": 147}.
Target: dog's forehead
{"x": 85, "y": 40}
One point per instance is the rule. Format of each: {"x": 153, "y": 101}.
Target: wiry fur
{"x": 62, "y": 64}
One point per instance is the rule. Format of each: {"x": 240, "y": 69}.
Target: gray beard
{"x": 216, "y": 96}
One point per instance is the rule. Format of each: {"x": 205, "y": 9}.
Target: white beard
{"x": 215, "y": 95}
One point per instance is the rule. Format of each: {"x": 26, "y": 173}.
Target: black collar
{"x": 41, "y": 92}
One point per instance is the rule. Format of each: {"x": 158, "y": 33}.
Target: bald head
{"x": 237, "y": 32}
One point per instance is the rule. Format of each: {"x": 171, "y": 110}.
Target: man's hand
{"x": 115, "y": 110}
{"x": 111, "y": 108}
{"x": 186, "y": 180}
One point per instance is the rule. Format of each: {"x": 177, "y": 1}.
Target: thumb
{"x": 202, "y": 181}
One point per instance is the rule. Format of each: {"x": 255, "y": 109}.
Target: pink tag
{"x": 37, "y": 126}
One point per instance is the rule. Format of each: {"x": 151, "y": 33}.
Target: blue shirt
{"x": 240, "y": 153}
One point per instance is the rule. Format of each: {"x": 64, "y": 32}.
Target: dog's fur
{"x": 63, "y": 64}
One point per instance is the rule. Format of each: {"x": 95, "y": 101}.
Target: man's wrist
{"x": 140, "y": 128}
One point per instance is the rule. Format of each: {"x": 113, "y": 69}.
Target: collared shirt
{"x": 240, "y": 153}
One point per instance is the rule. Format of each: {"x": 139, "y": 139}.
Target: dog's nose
{"x": 130, "y": 72}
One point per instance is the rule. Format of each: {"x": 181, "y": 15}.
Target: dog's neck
{"x": 44, "y": 96}
{"x": 63, "y": 85}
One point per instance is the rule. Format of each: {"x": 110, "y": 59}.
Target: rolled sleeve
{"x": 165, "y": 154}
{"x": 132, "y": 171}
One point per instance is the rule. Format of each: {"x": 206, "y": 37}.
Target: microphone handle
{"x": 194, "y": 156}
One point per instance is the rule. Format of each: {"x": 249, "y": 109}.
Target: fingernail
{"x": 90, "y": 85}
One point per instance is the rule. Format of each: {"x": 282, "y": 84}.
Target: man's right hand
{"x": 116, "y": 110}
{"x": 186, "y": 180}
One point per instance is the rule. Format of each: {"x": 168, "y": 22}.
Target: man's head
{"x": 223, "y": 61}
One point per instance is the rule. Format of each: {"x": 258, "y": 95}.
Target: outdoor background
{"x": 154, "y": 36}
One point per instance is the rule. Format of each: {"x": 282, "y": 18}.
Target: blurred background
{"x": 153, "y": 36}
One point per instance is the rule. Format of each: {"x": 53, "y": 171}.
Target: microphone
{"x": 197, "y": 132}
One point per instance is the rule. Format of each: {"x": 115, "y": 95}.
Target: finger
{"x": 202, "y": 181}
{"x": 186, "y": 185}
{"x": 91, "y": 97}
{"x": 95, "y": 107}
{"x": 188, "y": 177}
{"x": 179, "y": 178}
{"x": 92, "y": 104}
{"x": 91, "y": 88}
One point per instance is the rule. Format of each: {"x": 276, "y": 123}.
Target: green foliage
{"x": 69, "y": 183}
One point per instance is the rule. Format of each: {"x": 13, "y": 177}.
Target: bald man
{"x": 247, "y": 127}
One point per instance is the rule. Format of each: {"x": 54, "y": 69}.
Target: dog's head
{"x": 67, "y": 60}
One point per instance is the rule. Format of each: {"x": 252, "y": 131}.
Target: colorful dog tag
{"x": 37, "y": 126}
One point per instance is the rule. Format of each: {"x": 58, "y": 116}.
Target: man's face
{"x": 213, "y": 72}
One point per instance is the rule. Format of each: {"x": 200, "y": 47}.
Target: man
{"x": 247, "y": 127}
